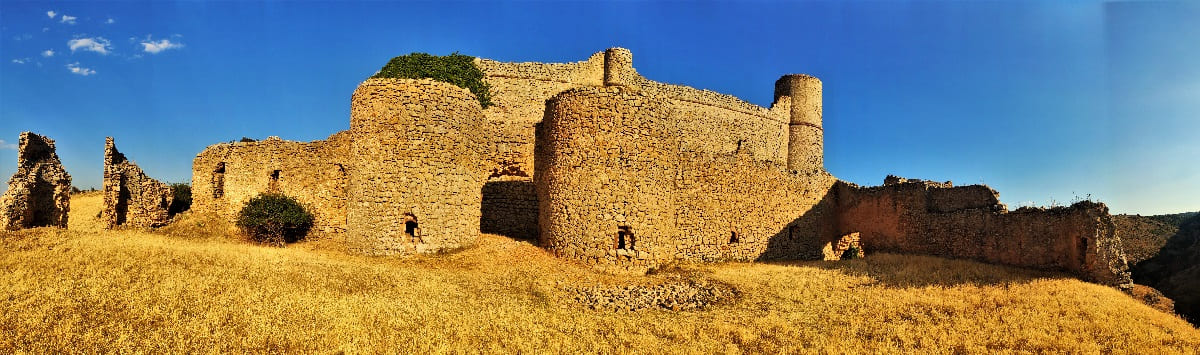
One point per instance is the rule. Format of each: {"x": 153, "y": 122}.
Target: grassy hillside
{"x": 87, "y": 289}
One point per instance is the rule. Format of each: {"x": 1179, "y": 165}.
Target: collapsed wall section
{"x": 416, "y": 149}
{"x": 618, "y": 190}
{"x": 969, "y": 222}
{"x": 131, "y": 198}
{"x": 39, "y": 193}
{"x": 226, "y": 176}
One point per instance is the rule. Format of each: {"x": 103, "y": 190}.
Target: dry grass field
{"x": 188, "y": 289}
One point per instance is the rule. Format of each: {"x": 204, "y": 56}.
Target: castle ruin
{"x": 39, "y": 193}
{"x": 130, "y": 197}
{"x": 610, "y": 169}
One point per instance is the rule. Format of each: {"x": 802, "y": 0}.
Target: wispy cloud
{"x": 20, "y": 60}
{"x": 48, "y": 53}
{"x": 110, "y": 21}
{"x": 153, "y": 47}
{"x": 51, "y": 14}
{"x": 70, "y": 20}
{"x": 75, "y": 68}
{"x": 6, "y": 145}
{"x": 97, "y": 44}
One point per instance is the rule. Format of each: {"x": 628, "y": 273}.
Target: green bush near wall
{"x": 455, "y": 68}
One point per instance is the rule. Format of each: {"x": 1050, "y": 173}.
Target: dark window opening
{"x": 218, "y": 180}
{"x": 411, "y": 228}
{"x": 1083, "y": 250}
{"x": 273, "y": 186}
{"x": 624, "y": 238}
{"x": 123, "y": 196}
{"x": 733, "y": 237}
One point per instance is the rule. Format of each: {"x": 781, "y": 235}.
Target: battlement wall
{"x": 968, "y": 222}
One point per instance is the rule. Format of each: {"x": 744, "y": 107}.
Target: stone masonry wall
{"x": 968, "y": 222}
{"x": 417, "y": 147}
{"x": 39, "y": 193}
{"x": 618, "y": 189}
{"x": 131, "y": 198}
{"x": 225, "y": 176}
{"x": 709, "y": 122}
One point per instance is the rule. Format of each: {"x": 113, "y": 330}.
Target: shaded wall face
{"x": 226, "y": 176}
{"x": 968, "y": 222}
{"x": 416, "y": 149}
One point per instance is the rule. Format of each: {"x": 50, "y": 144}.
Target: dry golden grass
{"x": 91, "y": 290}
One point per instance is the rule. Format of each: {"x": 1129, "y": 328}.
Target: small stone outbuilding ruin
{"x": 39, "y": 193}
{"x": 611, "y": 169}
{"x": 130, "y": 197}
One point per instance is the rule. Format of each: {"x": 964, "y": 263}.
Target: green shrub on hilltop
{"x": 274, "y": 219}
{"x": 455, "y": 68}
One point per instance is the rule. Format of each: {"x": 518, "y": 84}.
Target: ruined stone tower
{"x": 39, "y": 193}
{"x": 131, "y": 198}
{"x": 805, "y": 134}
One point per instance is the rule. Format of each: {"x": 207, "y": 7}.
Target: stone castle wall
{"x": 613, "y": 170}
{"x": 969, "y": 222}
{"x": 417, "y": 148}
{"x": 618, "y": 188}
{"x": 131, "y": 198}
{"x": 225, "y": 176}
{"x": 39, "y": 193}
{"x": 707, "y": 122}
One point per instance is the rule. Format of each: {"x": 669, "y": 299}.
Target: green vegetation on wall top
{"x": 455, "y": 68}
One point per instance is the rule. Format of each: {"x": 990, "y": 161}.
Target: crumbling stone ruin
{"x": 616, "y": 171}
{"x": 130, "y": 197}
{"x": 922, "y": 217}
{"x": 39, "y": 193}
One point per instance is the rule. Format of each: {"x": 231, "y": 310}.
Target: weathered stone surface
{"x": 39, "y": 193}
{"x": 131, "y": 198}
{"x": 674, "y": 294}
{"x": 969, "y": 222}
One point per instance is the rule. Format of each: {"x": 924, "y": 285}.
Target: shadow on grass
{"x": 915, "y": 271}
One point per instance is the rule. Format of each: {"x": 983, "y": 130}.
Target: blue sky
{"x": 1045, "y": 102}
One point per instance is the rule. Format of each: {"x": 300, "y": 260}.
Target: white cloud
{"x": 51, "y": 14}
{"x": 48, "y": 53}
{"x": 75, "y": 68}
{"x": 70, "y": 20}
{"x": 20, "y": 60}
{"x": 110, "y": 21}
{"x": 22, "y": 37}
{"x": 98, "y": 44}
{"x": 153, "y": 47}
{"x": 6, "y": 145}
{"x": 45, "y": 29}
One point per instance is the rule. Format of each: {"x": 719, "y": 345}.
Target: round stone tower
{"x": 805, "y": 136}
{"x": 605, "y": 179}
{"x": 415, "y": 149}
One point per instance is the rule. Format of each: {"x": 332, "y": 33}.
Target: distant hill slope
{"x": 1175, "y": 270}
{"x": 1174, "y": 219}
{"x": 1143, "y": 236}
